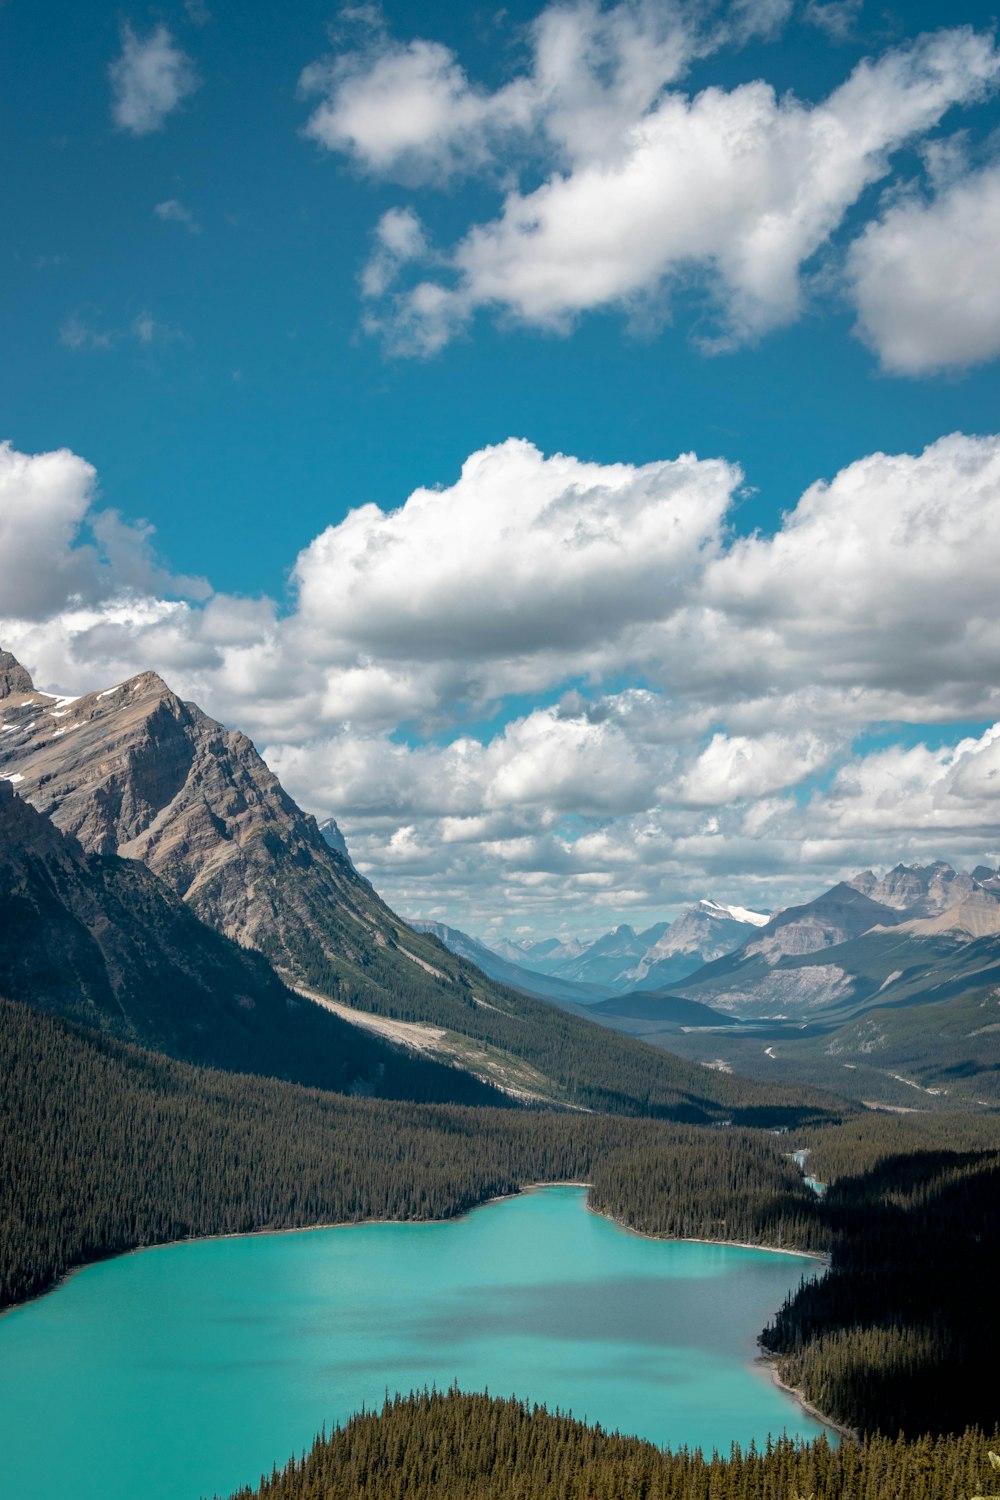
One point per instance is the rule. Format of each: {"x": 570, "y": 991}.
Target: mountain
{"x": 501, "y": 969}
{"x": 335, "y": 840}
{"x": 919, "y": 890}
{"x": 101, "y": 940}
{"x": 841, "y": 952}
{"x": 133, "y": 769}
{"x": 624, "y": 960}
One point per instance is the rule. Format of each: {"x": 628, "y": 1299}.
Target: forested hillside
{"x": 895, "y": 1336}
{"x": 433, "y": 1446}
{"x": 101, "y": 940}
{"x": 105, "y": 1147}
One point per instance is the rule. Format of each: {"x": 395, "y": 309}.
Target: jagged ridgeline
{"x": 433, "y": 1446}
{"x": 133, "y": 771}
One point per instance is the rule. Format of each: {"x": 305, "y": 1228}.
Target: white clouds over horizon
{"x": 755, "y": 662}
{"x": 619, "y": 189}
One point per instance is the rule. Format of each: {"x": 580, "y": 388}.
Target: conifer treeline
{"x": 896, "y": 1335}
{"x": 589, "y": 1065}
{"x": 105, "y": 1147}
{"x": 431, "y": 1446}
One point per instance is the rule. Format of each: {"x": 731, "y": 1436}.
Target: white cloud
{"x": 149, "y": 81}
{"x": 82, "y": 334}
{"x": 172, "y": 211}
{"x": 763, "y": 657}
{"x": 882, "y": 581}
{"x": 638, "y": 186}
{"x": 408, "y": 110}
{"x": 836, "y": 17}
{"x": 523, "y": 558}
{"x": 924, "y": 278}
{"x": 399, "y": 239}
{"x": 47, "y": 564}
{"x": 78, "y": 334}
{"x": 43, "y": 501}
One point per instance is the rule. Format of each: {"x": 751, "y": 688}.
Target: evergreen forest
{"x": 433, "y": 1446}
{"x": 105, "y": 1147}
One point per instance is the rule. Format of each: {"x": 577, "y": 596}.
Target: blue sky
{"x": 266, "y": 267}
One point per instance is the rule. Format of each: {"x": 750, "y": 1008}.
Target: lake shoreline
{"x": 763, "y": 1361}
{"x": 528, "y": 1187}
{"x": 770, "y": 1362}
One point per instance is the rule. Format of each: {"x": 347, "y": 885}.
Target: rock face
{"x": 335, "y": 840}
{"x": 101, "y": 940}
{"x": 13, "y": 677}
{"x": 919, "y": 890}
{"x": 135, "y": 770}
{"x": 837, "y": 916}
{"x": 881, "y": 939}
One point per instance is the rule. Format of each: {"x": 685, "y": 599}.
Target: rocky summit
{"x": 135, "y": 771}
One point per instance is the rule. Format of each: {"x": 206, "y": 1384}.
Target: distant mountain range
{"x": 621, "y": 960}
{"x": 147, "y": 847}
{"x": 876, "y": 979}
{"x": 916, "y": 930}
{"x": 502, "y": 969}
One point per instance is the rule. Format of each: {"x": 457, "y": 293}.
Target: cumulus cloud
{"x": 729, "y": 769}
{"x": 882, "y": 581}
{"x": 150, "y": 79}
{"x": 924, "y": 278}
{"x": 46, "y": 563}
{"x": 407, "y": 110}
{"x": 638, "y": 186}
{"x": 524, "y": 557}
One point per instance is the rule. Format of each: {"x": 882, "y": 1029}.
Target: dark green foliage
{"x": 896, "y": 1335}
{"x": 476, "y": 1447}
{"x": 104, "y": 1147}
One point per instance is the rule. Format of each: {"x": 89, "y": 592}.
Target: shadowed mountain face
{"x": 100, "y": 939}
{"x": 135, "y": 771}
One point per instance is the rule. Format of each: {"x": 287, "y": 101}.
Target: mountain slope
{"x": 512, "y": 974}
{"x": 841, "y": 951}
{"x": 101, "y": 940}
{"x": 135, "y": 769}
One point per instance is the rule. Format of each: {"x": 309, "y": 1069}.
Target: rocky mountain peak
{"x": 13, "y": 677}
{"x": 136, "y": 771}
{"x": 335, "y": 840}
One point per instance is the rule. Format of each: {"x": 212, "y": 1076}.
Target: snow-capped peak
{"x": 738, "y": 913}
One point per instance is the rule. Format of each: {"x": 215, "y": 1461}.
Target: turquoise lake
{"x": 189, "y": 1370}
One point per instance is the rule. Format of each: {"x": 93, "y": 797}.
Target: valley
{"x": 212, "y": 1025}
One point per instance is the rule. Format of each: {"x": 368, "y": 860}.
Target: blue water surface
{"x": 191, "y": 1369}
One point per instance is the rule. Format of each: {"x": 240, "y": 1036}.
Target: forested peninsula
{"x": 433, "y": 1446}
